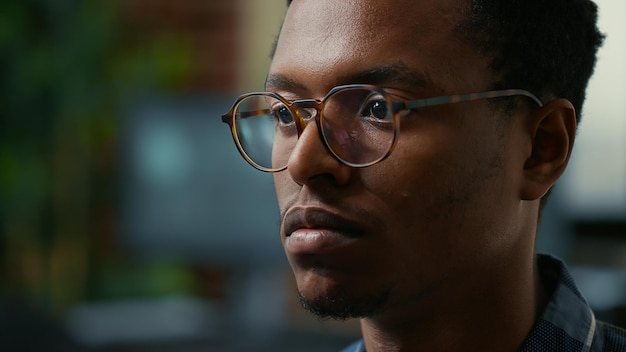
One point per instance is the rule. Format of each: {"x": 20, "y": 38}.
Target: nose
{"x": 311, "y": 161}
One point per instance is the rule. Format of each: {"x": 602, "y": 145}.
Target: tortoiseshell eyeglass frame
{"x": 396, "y": 107}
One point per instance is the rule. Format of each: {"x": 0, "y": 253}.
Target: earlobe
{"x": 552, "y": 130}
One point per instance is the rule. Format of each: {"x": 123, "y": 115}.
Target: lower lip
{"x": 313, "y": 241}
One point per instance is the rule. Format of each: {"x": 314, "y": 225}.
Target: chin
{"x": 330, "y": 300}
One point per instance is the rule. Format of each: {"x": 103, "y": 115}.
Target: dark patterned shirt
{"x": 567, "y": 324}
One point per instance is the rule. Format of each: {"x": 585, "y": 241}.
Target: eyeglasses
{"x": 358, "y": 124}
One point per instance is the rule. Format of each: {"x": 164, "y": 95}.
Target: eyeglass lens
{"x": 357, "y": 125}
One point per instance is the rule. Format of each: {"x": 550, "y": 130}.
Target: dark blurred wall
{"x": 68, "y": 68}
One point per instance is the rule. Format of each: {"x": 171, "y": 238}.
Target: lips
{"x": 318, "y": 231}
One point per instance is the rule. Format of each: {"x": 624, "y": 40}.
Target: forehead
{"x": 325, "y": 41}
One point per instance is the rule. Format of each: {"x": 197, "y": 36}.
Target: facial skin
{"x": 433, "y": 246}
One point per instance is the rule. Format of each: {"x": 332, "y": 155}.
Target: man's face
{"x": 441, "y": 208}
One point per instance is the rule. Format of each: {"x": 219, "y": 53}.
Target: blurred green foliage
{"x": 66, "y": 69}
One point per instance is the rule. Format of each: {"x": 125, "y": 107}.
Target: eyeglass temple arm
{"x": 421, "y": 103}
{"x": 228, "y": 117}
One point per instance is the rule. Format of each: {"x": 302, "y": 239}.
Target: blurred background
{"x": 129, "y": 222}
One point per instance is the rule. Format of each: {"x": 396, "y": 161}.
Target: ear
{"x": 552, "y": 131}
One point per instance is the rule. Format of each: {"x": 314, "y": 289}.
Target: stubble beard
{"x": 343, "y": 305}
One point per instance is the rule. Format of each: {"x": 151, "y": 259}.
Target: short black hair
{"x": 548, "y": 47}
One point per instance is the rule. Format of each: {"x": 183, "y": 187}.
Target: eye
{"x": 377, "y": 109}
{"x": 282, "y": 114}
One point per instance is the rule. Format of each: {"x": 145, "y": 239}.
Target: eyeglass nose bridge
{"x": 305, "y": 111}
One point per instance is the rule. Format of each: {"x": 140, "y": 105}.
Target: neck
{"x": 505, "y": 299}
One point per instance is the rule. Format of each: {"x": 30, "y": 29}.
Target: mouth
{"x": 318, "y": 231}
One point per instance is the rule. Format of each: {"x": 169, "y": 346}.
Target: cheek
{"x": 417, "y": 169}
{"x": 426, "y": 180}
{"x": 285, "y": 188}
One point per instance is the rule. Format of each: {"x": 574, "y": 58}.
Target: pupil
{"x": 284, "y": 115}
{"x": 379, "y": 110}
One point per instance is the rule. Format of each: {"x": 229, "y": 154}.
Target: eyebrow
{"x": 278, "y": 81}
{"x": 395, "y": 72}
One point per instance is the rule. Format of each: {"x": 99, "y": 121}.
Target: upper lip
{"x": 317, "y": 218}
